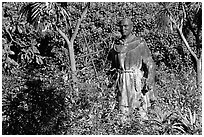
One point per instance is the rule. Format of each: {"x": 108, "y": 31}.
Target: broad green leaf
{"x": 19, "y": 29}
{"x": 179, "y": 128}
{"x": 11, "y": 52}
{"x": 12, "y": 61}
{"x": 35, "y": 50}
{"x": 39, "y": 60}
{"x": 191, "y": 116}
{"x": 27, "y": 58}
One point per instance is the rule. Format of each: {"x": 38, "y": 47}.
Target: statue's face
{"x": 126, "y": 28}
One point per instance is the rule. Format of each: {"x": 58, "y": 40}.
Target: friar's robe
{"x": 130, "y": 58}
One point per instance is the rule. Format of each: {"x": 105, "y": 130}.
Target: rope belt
{"x": 126, "y": 71}
{"x": 134, "y": 77}
{"x": 129, "y": 71}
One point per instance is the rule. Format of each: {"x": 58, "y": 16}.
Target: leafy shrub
{"x": 38, "y": 98}
{"x": 33, "y": 107}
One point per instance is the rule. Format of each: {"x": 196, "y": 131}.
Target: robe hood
{"x": 131, "y": 43}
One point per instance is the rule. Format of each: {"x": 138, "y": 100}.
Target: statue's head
{"x": 126, "y": 27}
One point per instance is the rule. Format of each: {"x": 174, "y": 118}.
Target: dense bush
{"x": 32, "y": 106}
{"x": 37, "y": 94}
{"x": 42, "y": 103}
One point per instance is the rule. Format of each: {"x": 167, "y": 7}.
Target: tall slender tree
{"x": 188, "y": 15}
{"x": 44, "y": 13}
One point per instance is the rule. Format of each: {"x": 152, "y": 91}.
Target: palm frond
{"x": 163, "y": 20}
{"x": 164, "y": 4}
{"x": 25, "y": 9}
{"x": 39, "y": 12}
{"x": 32, "y": 12}
{"x": 194, "y": 6}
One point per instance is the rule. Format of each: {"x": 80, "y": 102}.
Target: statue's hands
{"x": 149, "y": 85}
{"x": 112, "y": 76}
{"x": 111, "y": 71}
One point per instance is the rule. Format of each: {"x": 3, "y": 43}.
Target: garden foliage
{"x": 37, "y": 93}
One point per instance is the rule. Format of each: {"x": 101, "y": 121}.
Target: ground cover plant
{"x": 45, "y": 91}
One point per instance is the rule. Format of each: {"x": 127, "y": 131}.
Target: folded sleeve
{"x": 149, "y": 62}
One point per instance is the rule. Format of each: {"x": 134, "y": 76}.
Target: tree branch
{"x": 184, "y": 16}
{"x": 20, "y": 43}
{"x": 179, "y": 28}
{"x": 79, "y": 22}
{"x": 174, "y": 21}
{"x": 64, "y": 36}
{"x": 186, "y": 43}
{"x": 193, "y": 30}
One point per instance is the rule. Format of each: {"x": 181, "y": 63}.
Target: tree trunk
{"x": 73, "y": 66}
{"x": 199, "y": 74}
{"x": 70, "y": 44}
{"x": 72, "y": 59}
{"x": 198, "y": 60}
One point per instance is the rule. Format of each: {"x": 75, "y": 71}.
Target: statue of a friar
{"x": 132, "y": 62}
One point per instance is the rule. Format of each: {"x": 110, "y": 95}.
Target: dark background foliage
{"x": 37, "y": 94}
